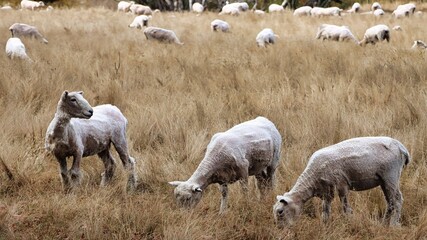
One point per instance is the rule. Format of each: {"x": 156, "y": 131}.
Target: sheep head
{"x": 286, "y": 211}
{"x": 187, "y": 195}
{"x": 74, "y": 105}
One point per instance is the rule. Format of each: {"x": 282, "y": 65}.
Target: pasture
{"x": 176, "y": 97}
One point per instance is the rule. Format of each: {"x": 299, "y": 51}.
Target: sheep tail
{"x": 6, "y": 169}
{"x": 405, "y": 154}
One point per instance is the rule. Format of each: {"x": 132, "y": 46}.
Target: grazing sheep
{"x": 303, "y": 11}
{"x": 197, "y": 8}
{"x": 277, "y": 8}
{"x": 140, "y": 21}
{"x": 404, "y": 10}
{"x": 78, "y": 130}
{"x": 16, "y": 49}
{"x": 377, "y": 33}
{"x": 230, "y": 10}
{"x": 330, "y": 11}
{"x": 265, "y": 37}
{"x": 355, "y": 8}
{"x": 356, "y": 164}
{"x": 139, "y": 9}
{"x": 375, "y": 6}
{"x": 257, "y": 11}
{"x": 249, "y": 148}
{"x": 219, "y": 25}
{"x": 379, "y": 12}
{"x": 25, "y": 30}
{"x": 418, "y": 44}
{"x": 31, "y": 5}
{"x": 161, "y": 35}
{"x": 124, "y": 6}
{"x": 335, "y": 33}
{"x": 242, "y": 6}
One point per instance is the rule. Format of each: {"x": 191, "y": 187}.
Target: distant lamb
{"x": 335, "y": 33}
{"x": 265, "y": 37}
{"x": 330, "y": 11}
{"x": 78, "y": 130}
{"x": 139, "y": 9}
{"x": 31, "y": 5}
{"x": 140, "y": 21}
{"x": 161, "y": 35}
{"x": 377, "y": 33}
{"x": 418, "y": 44}
{"x": 25, "y": 30}
{"x": 124, "y": 6}
{"x": 249, "y": 148}
{"x": 355, "y": 8}
{"x": 303, "y": 11}
{"x": 16, "y": 49}
{"x": 219, "y": 25}
{"x": 356, "y": 164}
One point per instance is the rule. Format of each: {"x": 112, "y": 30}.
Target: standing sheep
{"x": 277, "y": 8}
{"x": 330, "y": 11}
{"x": 16, "y": 49}
{"x": 161, "y": 35}
{"x": 24, "y": 30}
{"x": 377, "y": 33}
{"x": 140, "y": 21}
{"x": 139, "y": 9}
{"x": 249, "y": 148}
{"x": 31, "y": 5}
{"x": 303, "y": 11}
{"x": 78, "y": 130}
{"x": 265, "y": 37}
{"x": 219, "y": 25}
{"x": 356, "y": 164}
{"x": 124, "y": 6}
{"x": 335, "y": 33}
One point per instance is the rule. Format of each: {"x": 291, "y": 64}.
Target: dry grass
{"x": 176, "y": 97}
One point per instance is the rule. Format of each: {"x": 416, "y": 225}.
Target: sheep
{"x": 16, "y": 49}
{"x": 25, "y": 30}
{"x": 355, "y": 8}
{"x": 161, "y": 35}
{"x": 31, "y": 5}
{"x": 6, "y": 8}
{"x": 303, "y": 11}
{"x": 124, "y": 6}
{"x": 221, "y": 25}
{"x": 265, "y": 37}
{"x": 377, "y": 33}
{"x": 404, "y": 10}
{"x": 397, "y": 28}
{"x": 249, "y": 148}
{"x": 330, "y": 11}
{"x": 78, "y": 130}
{"x": 275, "y": 8}
{"x": 375, "y": 6}
{"x": 418, "y": 44}
{"x": 336, "y": 33}
{"x": 140, "y": 21}
{"x": 139, "y": 9}
{"x": 355, "y": 164}
{"x": 379, "y": 12}
{"x": 197, "y": 8}
{"x": 257, "y": 11}
{"x": 230, "y": 10}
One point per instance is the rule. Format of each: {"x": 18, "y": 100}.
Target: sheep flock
{"x": 282, "y": 109}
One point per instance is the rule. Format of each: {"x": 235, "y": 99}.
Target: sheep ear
{"x": 80, "y": 92}
{"x": 175, "y": 183}
{"x": 282, "y": 199}
{"x": 197, "y": 189}
{"x": 64, "y": 94}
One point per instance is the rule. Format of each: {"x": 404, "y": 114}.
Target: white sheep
{"x": 249, "y": 148}
{"x": 6, "y": 8}
{"x": 356, "y": 164}
{"x": 355, "y": 8}
{"x": 404, "y": 10}
{"x": 330, "y": 11}
{"x": 31, "y": 5}
{"x": 139, "y": 9}
{"x": 161, "y": 35}
{"x": 197, "y": 8}
{"x": 16, "y": 49}
{"x": 140, "y": 21}
{"x": 220, "y": 25}
{"x": 378, "y": 12}
{"x": 376, "y": 6}
{"x": 335, "y": 33}
{"x": 78, "y": 130}
{"x": 377, "y": 33}
{"x": 25, "y": 30}
{"x": 242, "y": 6}
{"x": 124, "y": 6}
{"x": 265, "y": 37}
{"x": 418, "y": 44}
{"x": 257, "y": 11}
{"x": 230, "y": 10}
{"x": 303, "y": 11}
{"x": 275, "y": 8}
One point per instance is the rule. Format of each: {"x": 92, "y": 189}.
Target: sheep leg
{"x": 343, "y": 192}
{"x": 64, "y": 174}
{"x": 128, "y": 162}
{"x": 265, "y": 180}
{"x": 394, "y": 200}
{"x": 109, "y": 165}
{"x": 75, "y": 169}
{"x": 224, "y": 196}
{"x": 326, "y": 205}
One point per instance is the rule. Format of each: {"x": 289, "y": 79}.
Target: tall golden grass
{"x": 176, "y": 97}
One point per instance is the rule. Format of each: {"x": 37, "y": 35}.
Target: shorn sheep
{"x": 78, "y": 130}
{"x": 377, "y": 33}
{"x": 140, "y": 21}
{"x": 25, "y": 30}
{"x": 249, "y": 148}
{"x": 139, "y": 9}
{"x": 336, "y": 33}
{"x": 303, "y": 11}
{"x": 16, "y": 49}
{"x": 220, "y": 25}
{"x": 31, "y": 5}
{"x": 356, "y": 164}
{"x": 404, "y": 10}
{"x": 124, "y": 6}
{"x": 330, "y": 11}
{"x": 161, "y": 35}
{"x": 265, "y": 37}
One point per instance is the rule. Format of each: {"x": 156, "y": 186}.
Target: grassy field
{"x": 177, "y": 97}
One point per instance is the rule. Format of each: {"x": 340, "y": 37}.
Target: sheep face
{"x": 74, "y": 104}
{"x": 285, "y": 211}
{"x": 187, "y": 195}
